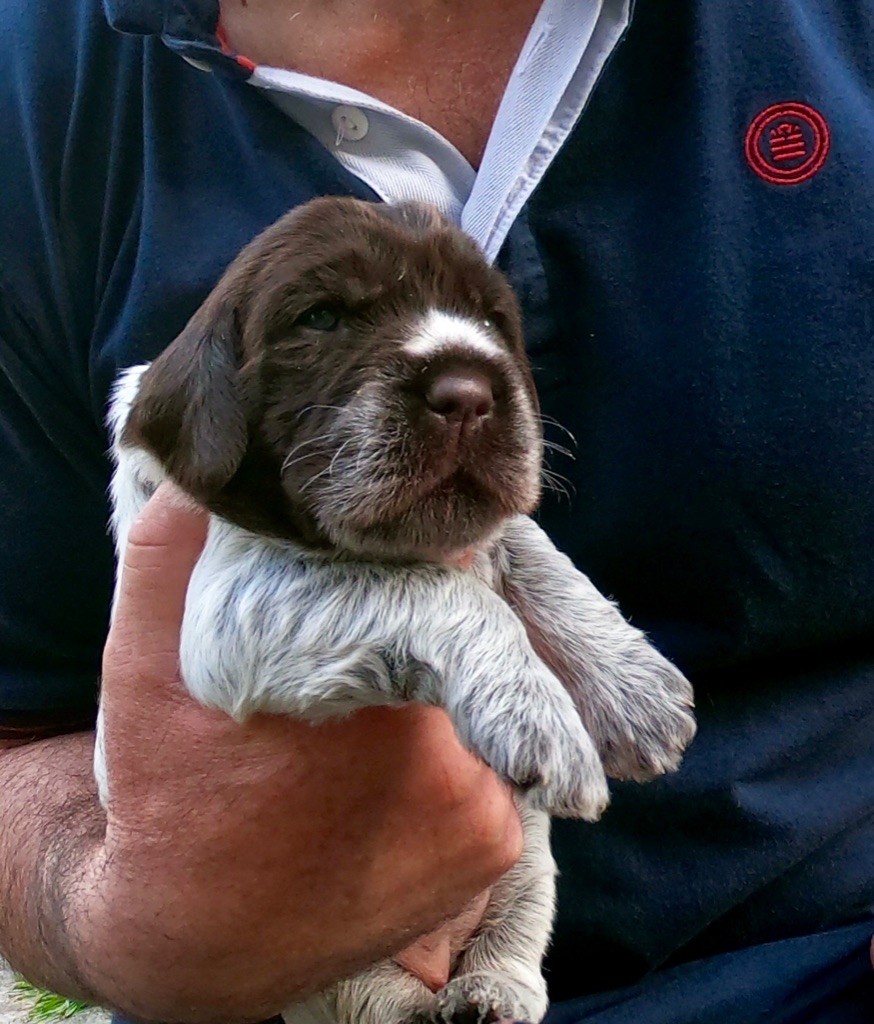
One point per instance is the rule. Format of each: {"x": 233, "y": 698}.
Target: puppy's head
{"x": 356, "y": 381}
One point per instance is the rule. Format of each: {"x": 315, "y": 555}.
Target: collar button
{"x": 350, "y": 123}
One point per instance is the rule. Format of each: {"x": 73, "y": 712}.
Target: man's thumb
{"x": 163, "y": 546}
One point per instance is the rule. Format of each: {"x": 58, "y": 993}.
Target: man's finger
{"x": 163, "y": 546}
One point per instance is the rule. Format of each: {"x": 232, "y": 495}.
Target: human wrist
{"x": 153, "y": 948}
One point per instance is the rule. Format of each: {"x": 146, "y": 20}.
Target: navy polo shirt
{"x": 696, "y": 271}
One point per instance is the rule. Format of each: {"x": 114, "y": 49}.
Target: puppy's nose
{"x": 458, "y": 395}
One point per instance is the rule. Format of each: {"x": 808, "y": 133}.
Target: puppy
{"x": 353, "y": 405}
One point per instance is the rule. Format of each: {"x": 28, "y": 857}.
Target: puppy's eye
{"x": 320, "y": 318}
{"x": 488, "y": 324}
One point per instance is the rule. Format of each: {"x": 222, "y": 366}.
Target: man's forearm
{"x": 51, "y": 825}
{"x": 58, "y": 925}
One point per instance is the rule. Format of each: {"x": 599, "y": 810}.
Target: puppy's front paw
{"x": 647, "y": 730}
{"x": 543, "y": 749}
{"x": 484, "y": 998}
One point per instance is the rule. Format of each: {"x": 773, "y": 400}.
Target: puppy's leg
{"x": 499, "y": 975}
{"x": 636, "y": 705}
{"x": 383, "y": 994}
{"x": 477, "y": 662}
{"x": 318, "y": 1009}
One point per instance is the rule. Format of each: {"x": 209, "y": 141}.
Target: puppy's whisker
{"x": 557, "y": 483}
{"x": 553, "y": 422}
{"x": 560, "y": 449}
{"x": 313, "y": 479}
{"x": 338, "y": 453}
{"x": 329, "y": 469}
{"x": 313, "y": 408}
{"x": 380, "y": 476}
{"x": 290, "y": 459}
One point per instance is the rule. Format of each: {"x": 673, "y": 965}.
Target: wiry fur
{"x": 314, "y": 598}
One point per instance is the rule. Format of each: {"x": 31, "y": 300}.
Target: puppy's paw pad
{"x": 657, "y": 725}
{"x": 487, "y": 999}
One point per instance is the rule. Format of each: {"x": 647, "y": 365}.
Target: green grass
{"x": 44, "y": 1006}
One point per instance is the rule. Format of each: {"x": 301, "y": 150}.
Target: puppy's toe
{"x": 571, "y": 782}
{"x": 483, "y": 998}
{"x": 647, "y": 734}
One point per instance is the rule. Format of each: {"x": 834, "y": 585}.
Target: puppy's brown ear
{"x": 189, "y": 409}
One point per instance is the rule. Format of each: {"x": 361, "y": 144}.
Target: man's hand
{"x": 246, "y": 866}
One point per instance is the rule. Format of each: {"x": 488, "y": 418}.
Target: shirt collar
{"x": 189, "y": 27}
{"x": 194, "y": 19}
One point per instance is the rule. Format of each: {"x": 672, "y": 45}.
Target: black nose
{"x": 460, "y": 395}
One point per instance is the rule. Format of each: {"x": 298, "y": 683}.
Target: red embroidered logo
{"x": 787, "y": 143}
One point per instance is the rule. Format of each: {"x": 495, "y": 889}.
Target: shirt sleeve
{"x": 58, "y": 90}
{"x": 55, "y": 553}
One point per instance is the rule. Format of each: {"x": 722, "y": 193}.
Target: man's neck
{"x": 445, "y": 62}
{"x": 413, "y": 11}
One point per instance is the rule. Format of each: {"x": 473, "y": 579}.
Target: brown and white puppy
{"x": 353, "y": 405}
